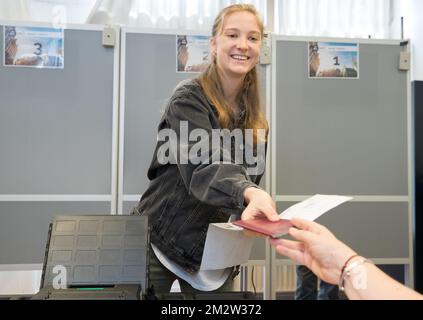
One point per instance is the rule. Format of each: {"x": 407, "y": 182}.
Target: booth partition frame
{"x": 100, "y": 203}
{"x": 406, "y": 199}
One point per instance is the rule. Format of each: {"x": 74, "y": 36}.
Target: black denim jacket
{"x": 183, "y": 199}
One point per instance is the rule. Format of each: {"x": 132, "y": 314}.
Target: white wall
{"x": 70, "y": 11}
{"x": 75, "y": 11}
{"x": 417, "y": 37}
{"x": 412, "y": 10}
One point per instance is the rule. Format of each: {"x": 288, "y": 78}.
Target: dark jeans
{"x": 307, "y": 287}
{"x": 162, "y": 279}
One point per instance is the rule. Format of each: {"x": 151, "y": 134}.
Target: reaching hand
{"x": 317, "y": 248}
{"x": 260, "y": 204}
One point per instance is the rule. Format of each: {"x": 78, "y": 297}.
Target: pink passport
{"x": 274, "y": 229}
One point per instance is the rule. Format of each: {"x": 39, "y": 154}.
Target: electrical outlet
{"x": 265, "y": 55}
{"x": 266, "y": 49}
{"x": 404, "y": 61}
{"x": 109, "y": 37}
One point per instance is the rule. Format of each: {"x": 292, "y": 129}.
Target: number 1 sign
{"x": 333, "y": 60}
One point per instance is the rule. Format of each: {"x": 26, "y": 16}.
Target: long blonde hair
{"x": 249, "y": 95}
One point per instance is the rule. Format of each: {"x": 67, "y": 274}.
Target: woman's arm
{"x": 208, "y": 178}
{"x": 368, "y": 282}
{"x": 318, "y": 249}
{"x": 214, "y": 179}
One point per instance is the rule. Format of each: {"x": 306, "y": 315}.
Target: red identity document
{"x": 274, "y": 229}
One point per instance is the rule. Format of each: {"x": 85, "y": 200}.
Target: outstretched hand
{"x": 316, "y": 248}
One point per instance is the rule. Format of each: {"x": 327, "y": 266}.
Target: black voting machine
{"x": 103, "y": 257}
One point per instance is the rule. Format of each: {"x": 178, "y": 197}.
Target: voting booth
{"x": 79, "y": 140}
{"x": 349, "y": 136}
{"x": 58, "y": 143}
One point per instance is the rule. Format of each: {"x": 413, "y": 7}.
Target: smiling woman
{"x": 236, "y": 48}
{"x": 185, "y": 196}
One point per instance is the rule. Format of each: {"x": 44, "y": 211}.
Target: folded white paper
{"x": 227, "y": 246}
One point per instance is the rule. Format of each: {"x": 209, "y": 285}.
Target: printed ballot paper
{"x": 227, "y": 245}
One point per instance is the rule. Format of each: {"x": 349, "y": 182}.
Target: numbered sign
{"x": 333, "y": 60}
{"x": 33, "y": 47}
{"x": 192, "y": 53}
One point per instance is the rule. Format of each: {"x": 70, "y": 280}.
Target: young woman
{"x": 186, "y": 195}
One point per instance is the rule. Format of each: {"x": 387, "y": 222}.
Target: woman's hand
{"x": 260, "y": 204}
{"x": 317, "y": 248}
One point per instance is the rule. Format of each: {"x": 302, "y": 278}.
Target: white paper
{"x": 228, "y": 246}
{"x": 314, "y": 207}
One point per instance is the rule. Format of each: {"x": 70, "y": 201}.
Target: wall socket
{"x": 109, "y": 37}
{"x": 266, "y": 49}
{"x": 404, "y": 61}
